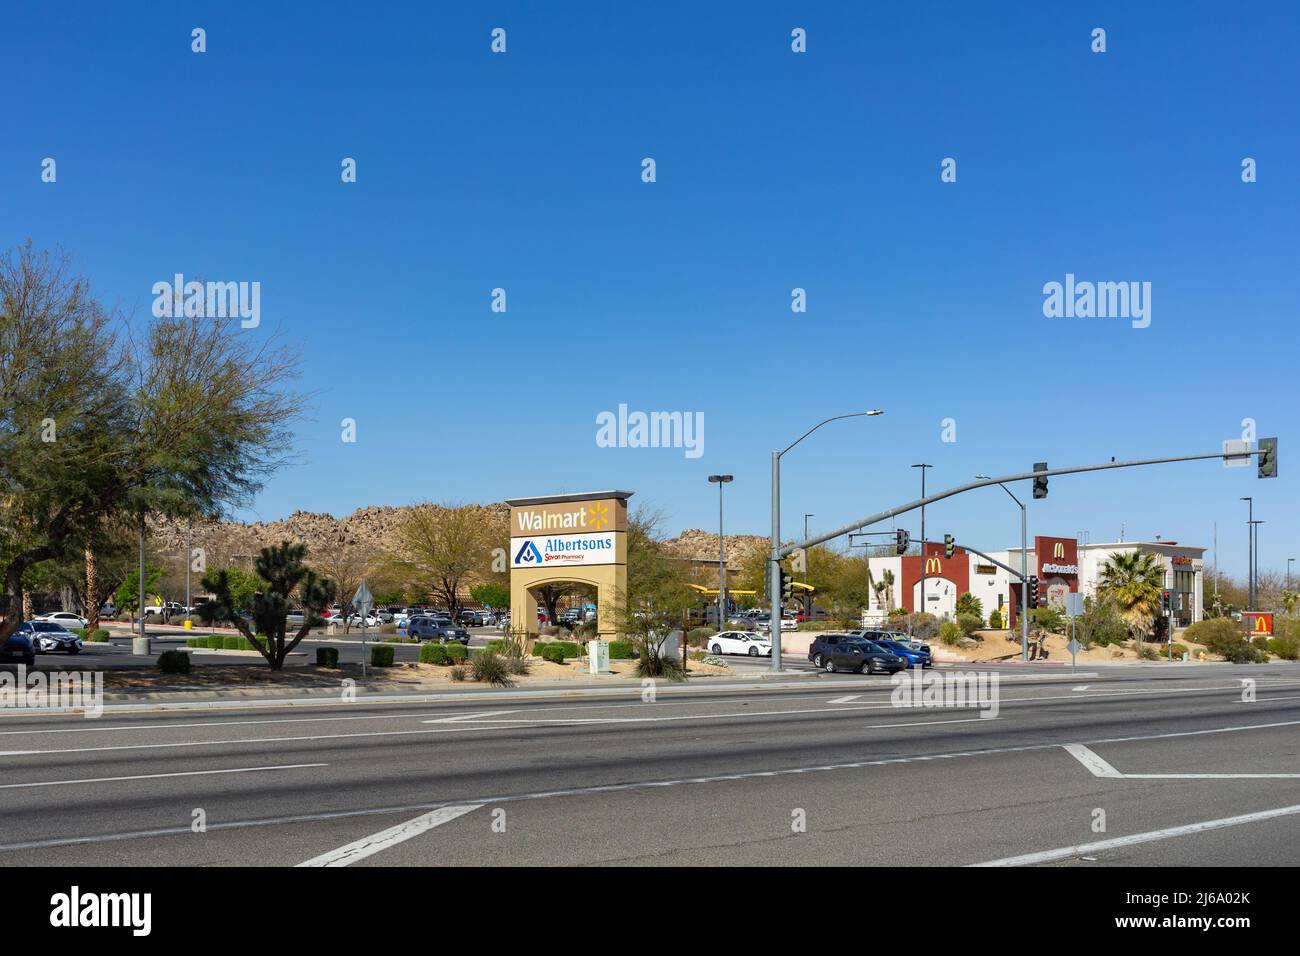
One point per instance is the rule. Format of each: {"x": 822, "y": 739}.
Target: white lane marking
{"x": 1090, "y": 760}
{"x": 611, "y": 788}
{"x": 157, "y": 776}
{"x": 1100, "y": 768}
{"x": 1066, "y": 852}
{"x": 1081, "y": 687}
{"x": 460, "y": 717}
{"x": 844, "y": 700}
{"x": 369, "y": 846}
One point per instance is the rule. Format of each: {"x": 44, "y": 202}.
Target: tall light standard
{"x": 1250, "y": 552}
{"x": 923, "y": 468}
{"x": 722, "y": 553}
{"x": 1024, "y": 572}
{"x": 1288, "y": 573}
{"x": 1254, "y": 566}
{"x": 774, "y": 572}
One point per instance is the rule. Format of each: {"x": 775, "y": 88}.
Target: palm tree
{"x": 1134, "y": 581}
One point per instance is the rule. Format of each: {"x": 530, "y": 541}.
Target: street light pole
{"x": 923, "y": 467}
{"x": 1024, "y": 571}
{"x": 722, "y": 552}
{"x": 1254, "y": 527}
{"x": 774, "y": 572}
{"x": 1250, "y": 552}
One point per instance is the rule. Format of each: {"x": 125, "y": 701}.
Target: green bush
{"x": 553, "y": 652}
{"x": 949, "y": 633}
{"x": 969, "y": 623}
{"x": 99, "y": 636}
{"x": 433, "y": 654}
{"x": 234, "y": 643}
{"x": 1286, "y": 647}
{"x": 923, "y": 626}
{"x": 620, "y": 650}
{"x": 327, "y": 657}
{"x": 491, "y": 668}
{"x": 174, "y": 662}
{"x": 216, "y": 642}
{"x": 1146, "y": 651}
{"x": 381, "y": 655}
{"x": 456, "y": 652}
{"x": 1101, "y": 623}
{"x": 1222, "y": 636}
{"x": 697, "y": 636}
{"x": 1050, "y": 619}
{"x": 1180, "y": 650}
{"x": 995, "y": 620}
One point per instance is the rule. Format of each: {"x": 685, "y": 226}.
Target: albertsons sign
{"x": 564, "y": 549}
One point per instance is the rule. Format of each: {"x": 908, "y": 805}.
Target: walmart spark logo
{"x": 528, "y": 554}
{"x": 598, "y": 516}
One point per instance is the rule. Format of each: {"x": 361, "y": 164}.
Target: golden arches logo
{"x": 1058, "y": 550}
{"x": 933, "y": 566}
{"x": 1261, "y": 625}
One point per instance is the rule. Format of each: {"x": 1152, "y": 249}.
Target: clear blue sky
{"x": 775, "y": 170}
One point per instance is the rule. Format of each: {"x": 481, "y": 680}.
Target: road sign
{"x": 1074, "y": 604}
{"x": 1236, "y": 453}
{"x": 1074, "y": 647}
{"x": 363, "y": 600}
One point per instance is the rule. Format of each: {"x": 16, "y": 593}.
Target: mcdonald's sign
{"x": 933, "y": 566}
{"x": 1058, "y": 550}
{"x": 1259, "y": 623}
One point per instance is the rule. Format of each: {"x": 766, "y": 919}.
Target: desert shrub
{"x": 1101, "y": 624}
{"x": 1146, "y": 651}
{"x": 949, "y": 633}
{"x": 551, "y": 630}
{"x": 433, "y": 654}
{"x": 490, "y": 667}
{"x": 586, "y": 629}
{"x": 1222, "y": 636}
{"x": 458, "y": 673}
{"x": 327, "y": 657}
{"x": 174, "y": 662}
{"x": 516, "y": 665}
{"x": 381, "y": 655}
{"x": 1286, "y": 647}
{"x": 1049, "y": 619}
{"x": 898, "y": 612}
{"x": 969, "y": 624}
{"x": 1179, "y": 650}
{"x": 697, "y": 636}
{"x": 389, "y": 628}
{"x": 99, "y": 636}
{"x": 923, "y": 626}
{"x": 657, "y": 666}
{"x": 995, "y": 620}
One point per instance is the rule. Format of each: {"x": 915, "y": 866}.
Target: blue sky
{"x": 775, "y": 170}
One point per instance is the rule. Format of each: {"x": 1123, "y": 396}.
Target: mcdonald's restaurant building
{"x": 1062, "y": 566}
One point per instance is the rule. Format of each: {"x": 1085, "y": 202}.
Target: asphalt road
{"x": 823, "y": 770}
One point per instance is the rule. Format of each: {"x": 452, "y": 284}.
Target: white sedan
{"x": 65, "y": 618}
{"x": 740, "y": 642}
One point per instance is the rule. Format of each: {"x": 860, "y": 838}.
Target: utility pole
{"x": 721, "y": 480}
{"x": 1250, "y": 552}
{"x": 1024, "y": 570}
{"x": 923, "y": 468}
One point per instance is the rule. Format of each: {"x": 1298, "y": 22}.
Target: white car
{"x": 740, "y": 642}
{"x": 787, "y": 624}
{"x": 370, "y": 621}
{"x": 65, "y": 618}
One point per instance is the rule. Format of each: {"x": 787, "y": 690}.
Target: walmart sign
{"x": 565, "y": 549}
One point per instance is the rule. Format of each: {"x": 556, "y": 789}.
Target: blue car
{"x": 18, "y": 649}
{"x": 914, "y": 658}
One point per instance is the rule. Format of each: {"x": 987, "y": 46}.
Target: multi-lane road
{"x": 1153, "y": 764}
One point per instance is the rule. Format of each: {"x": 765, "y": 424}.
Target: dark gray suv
{"x": 440, "y": 629}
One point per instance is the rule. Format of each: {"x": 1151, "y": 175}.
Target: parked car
{"x": 860, "y": 657}
{"x": 466, "y": 617}
{"x": 914, "y": 657}
{"x": 65, "y": 618}
{"x": 740, "y": 642}
{"x": 47, "y": 637}
{"x": 824, "y": 642}
{"x": 440, "y": 629}
{"x": 885, "y": 634}
{"x": 370, "y": 620}
{"x": 787, "y": 624}
{"x": 19, "y": 649}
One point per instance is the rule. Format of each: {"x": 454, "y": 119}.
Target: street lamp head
{"x": 720, "y": 479}
{"x": 874, "y": 412}
{"x": 983, "y": 477}
{"x": 923, "y": 466}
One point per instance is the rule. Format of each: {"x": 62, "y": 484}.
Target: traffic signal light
{"x": 1040, "y": 484}
{"x": 1267, "y": 458}
{"x": 903, "y": 540}
{"x": 787, "y": 586}
{"x": 1033, "y": 591}
{"x": 949, "y": 542}
{"x": 1164, "y": 601}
